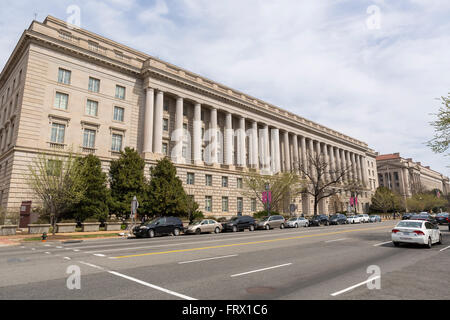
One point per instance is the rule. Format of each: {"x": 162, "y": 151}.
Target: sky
{"x": 373, "y": 70}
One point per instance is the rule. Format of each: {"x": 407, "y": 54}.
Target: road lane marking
{"x": 67, "y": 258}
{"x": 76, "y": 250}
{"x": 99, "y": 255}
{"x": 140, "y": 282}
{"x": 444, "y": 249}
{"x": 47, "y": 252}
{"x": 336, "y": 240}
{"x": 355, "y": 286}
{"x": 206, "y": 259}
{"x": 380, "y": 244}
{"x": 259, "y": 270}
{"x": 247, "y": 243}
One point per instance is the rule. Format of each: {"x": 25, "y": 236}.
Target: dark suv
{"x": 318, "y": 220}
{"x": 239, "y": 223}
{"x": 338, "y": 219}
{"x": 159, "y": 226}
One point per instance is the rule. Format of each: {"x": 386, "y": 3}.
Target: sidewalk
{"x": 19, "y": 238}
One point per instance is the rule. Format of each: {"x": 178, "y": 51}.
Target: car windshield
{"x": 265, "y": 219}
{"x": 409, "y": 224}
{"x": 196, "y": 223}
{"x": 146, "y": 223}
{"x": 443, "y": 214}
{"x": 292, "y": 219}
{"x": 234, "y": 218}
{"x": 419, "y": 217}
{"x": 334, "y": 217}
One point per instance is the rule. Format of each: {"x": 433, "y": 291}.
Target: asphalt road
{"x": 306, "y": 263}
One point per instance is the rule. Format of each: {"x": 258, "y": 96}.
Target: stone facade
{"x": 407, "y": 177}
{"x": 69, "y": 89}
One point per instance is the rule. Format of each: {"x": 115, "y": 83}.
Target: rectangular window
{"x": 208, "y": 179}
{"x": 225, "y": 182}
{"x": 166, "y": 105}
{"x": 240, "y": 205}
{"x": 118, "y": 113}
{"x": 253, "y": 205}
{"x": 224, "y": 204}
{"x": 61, "y": 101}
{"x": 89, "y": 138}
{"x": 190, "y": 178}
{"x": 116, "y": 142}
{"x": 165, "y": 149}
{"x": 208, "y": 203}
{"x": 54, "y": 167}
{"x": 120, "y": 92}
{"x": 58, "y": 132}
{"x": 165, "y": 124}
{"x": 239, "y": 183}
{"x": 184, "y": 152}
{"x": 91, "y": 108}
{"x": 64, "y": 76}
{"x": 94, "y": 85}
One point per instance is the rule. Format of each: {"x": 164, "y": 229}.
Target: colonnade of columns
{"x": 259, "y": 146}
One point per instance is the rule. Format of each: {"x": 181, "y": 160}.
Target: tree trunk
{"x": 316, "y": 204}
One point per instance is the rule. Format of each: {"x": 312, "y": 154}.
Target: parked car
{"x": 416, "y": 231}
{"x": 206, "y": 225}
{"x": 297, "y": 222}
{"x": 270, "y": 222}
{"x": 443, "y": 218}
{"x": 407, "y": 216}
{"x": 239, "y": 223}
{"x": 159, "y": 226}
{"x": 375, "y": 218}
{"x": 364, "y": 218}
{"x": 354, "y": 219}
{"x": 318, "y": 220}
{"x": 424, "y": 216}
{"x": 338, "y": 219}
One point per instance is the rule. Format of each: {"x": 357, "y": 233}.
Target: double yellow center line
{"x": 248, "y": 243}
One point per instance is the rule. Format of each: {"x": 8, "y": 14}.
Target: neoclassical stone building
{"x": 407, "y": 177}
{"x": 69, "y": 89}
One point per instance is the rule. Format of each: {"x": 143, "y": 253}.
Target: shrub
{"x": 68, "y": 221}
{"x": 221, "y": 219}
{"x": 211, "y": 218}
{"x": 197, "y": 215}
{"x": 262, "y": 214}
{"x": 43, "y": 220}
{"x": 91, "y": 220}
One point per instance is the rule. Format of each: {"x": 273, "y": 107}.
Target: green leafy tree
{"x": 96, "y": 199}
{"x": 127, "y": 180}
{"x": 441, "y": 140}
{"x": 58, "y": 183}
{"x": 426, "y": 202}
{"x": 165, "y": 192}
{"x": 192, "y": 209}
{"x": 385, "y": 200}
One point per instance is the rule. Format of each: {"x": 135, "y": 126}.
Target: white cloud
{"x": 315, "y": 58}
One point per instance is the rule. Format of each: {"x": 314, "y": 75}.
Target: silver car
{"x": 297, "y": 222}
{"x": 206, "y": 225}
{"x": 271, "y": 222}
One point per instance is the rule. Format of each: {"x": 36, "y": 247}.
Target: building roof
{"x": 388, "y": 156}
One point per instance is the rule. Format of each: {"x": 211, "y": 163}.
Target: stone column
{"x": 312, "y": 172}
{"x": 287, "y": 153}
{"x": 332, "y": 166}
{"x": 338, "y": 163}
{"x": 264, "y": 149}
{"x": 275, "y": 150}
{"x": 344, "y": 165}
{"x": 197, "y": 134}
{"x": 407, "y": 184}
{"x": 148, "y": 121}
{"x": 178, "y": 133}
{"x": 296, "y": 154}
{"x": 213, "y": 137}
{"x": 229, "y": 134}
{"x": 303, "y": 152}
{"x": 255, "y": 153}
{"x": 241, "y": 144}
{"x": 355, "y": 167}
{"x": 158, "y": 124}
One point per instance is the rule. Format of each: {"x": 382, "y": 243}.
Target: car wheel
{"x": 151, "y": 233}
{"x": 282, "y": 226}
{"x": 198, "y": 231}
{"x": 306, "y": 224}
{"x": 440, "y": 239}
{"x": 267, "y": 227}
{"x": 235, "y": 229}
{"x": 327, "y": 223}
{"x": 217, "y": 230}
{"x": 176, "y": 232}
{"x": 252, "y": 228}
{"x": 296, "y": 225}
{"x": 429, "y": 244}
{"x": 397, "y": 244}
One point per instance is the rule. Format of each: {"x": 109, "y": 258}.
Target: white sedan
{"x": 297, "y": 222}
{"x": 353, "y": 219}
{"x": 416, "y": 231}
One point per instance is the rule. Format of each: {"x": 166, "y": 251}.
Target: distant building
{"x": 407, "y": 177}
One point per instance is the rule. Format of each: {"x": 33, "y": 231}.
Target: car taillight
{"x": 418, "y": 232}
{"x": 395, "y": 230}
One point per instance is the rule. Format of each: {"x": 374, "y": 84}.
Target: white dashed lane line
{"x": 355, "y": 286}
{"x": 380, "y": 244}
{"x": 444, "y": 249}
